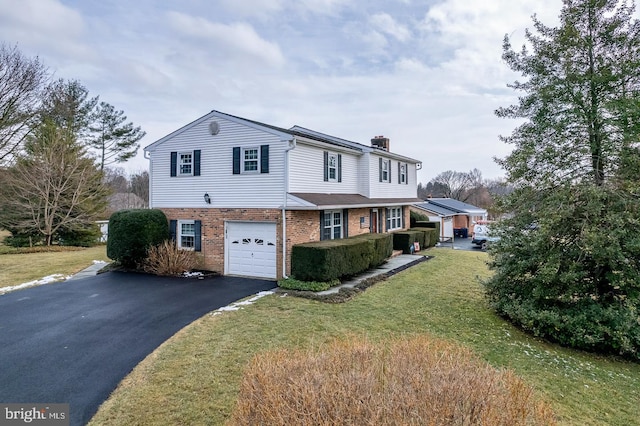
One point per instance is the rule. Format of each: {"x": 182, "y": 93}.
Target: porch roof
{"x": 313, "y": 201}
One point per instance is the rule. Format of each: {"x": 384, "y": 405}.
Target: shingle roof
{"x": 455, "y": 205}
{"x": 436, "y": 209}
{"x": 351, "y": 200}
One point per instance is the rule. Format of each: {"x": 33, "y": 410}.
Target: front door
{"x": 373, "y": 221}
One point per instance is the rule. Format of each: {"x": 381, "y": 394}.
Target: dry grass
{"x": 167, "y": 259}
{"x": 417, "y": 381}
{"x": 20, "y": 268}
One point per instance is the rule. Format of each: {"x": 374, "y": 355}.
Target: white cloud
{"x": 235, "y": 38}
{"x": 44, "y": 25}
{"x": 387, "y": 25}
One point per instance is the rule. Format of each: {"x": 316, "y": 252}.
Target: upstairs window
{"x": 402, "y": 173}
{"x": 250, "y": 159}
{"x": 385, "y": 170}
{"x": 186, "y": 163}
{"x": 332, "y": 167}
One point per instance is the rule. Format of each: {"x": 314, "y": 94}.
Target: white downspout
{"x": 292, "y": 145}
{"x": 147, "y": 155}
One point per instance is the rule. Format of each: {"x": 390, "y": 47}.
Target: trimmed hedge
{"x": 329, "y": 260}
{"x": 403, "y": 240}
{"x": 429, "y": 236}
{"x": 293, "y": 284}
{"x": 382, "y": 247}
{"x": 133, "y": 232}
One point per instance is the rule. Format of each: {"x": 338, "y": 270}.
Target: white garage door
{"x": 250, "y": 249}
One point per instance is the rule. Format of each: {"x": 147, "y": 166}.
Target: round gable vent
{"x": 214, "y": 128}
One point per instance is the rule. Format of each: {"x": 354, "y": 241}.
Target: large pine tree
{"x": 567, "y": 266}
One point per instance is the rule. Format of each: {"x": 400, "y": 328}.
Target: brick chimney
{"x": 380, "y": 142}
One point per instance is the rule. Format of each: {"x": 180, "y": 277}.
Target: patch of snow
{"x": 45, "y": 280}
{"x": 192, "y": 274}
{"x": 98, "y": 262}
{"x": 238, "y": 305}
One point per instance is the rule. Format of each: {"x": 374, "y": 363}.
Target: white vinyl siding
{"x": 391, "y": 189}
{"x": 306, "y": 171}
{"x": 251, "y": 190}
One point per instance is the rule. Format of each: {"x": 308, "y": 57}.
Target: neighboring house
{"x": 243, "y": 193}
{"x": 452, "y": 214}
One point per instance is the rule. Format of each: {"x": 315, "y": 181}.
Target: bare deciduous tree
{"x": 22, "y": 81}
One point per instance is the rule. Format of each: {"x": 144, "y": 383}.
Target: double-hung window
{"x": 185, "y": 163}
{"x": 394, "y": 218}
{"x": 186, "y": 234}
{"x": 385, "y": 170}
{"x": 332, "y": 225}
{"x": 402, "y": 173}
{"x": 250, "y": 159}
{"x": 332, "y": 167}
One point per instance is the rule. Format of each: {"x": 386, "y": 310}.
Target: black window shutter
{"x": 326, "y": 166}
{"x": 339, "y": 167}
{"x": 384, "y": 219}
{"x": 402, "y": 215}
{"x": 264, "y": 158}
{"x": 236, "y": 160}
{"x": 173, "y": 225}
{"x": 406, "y": 174}
{"x": 380, "y": 169}
{"x": 345, "y": 223}
{"x": 399, "y": 172}
{"x": 196, "y": 162}
{"x": 389, "y": 168}
{"x": 198, "y": 235}
{"x": 321, "y": 225}
{"x": 174, "y": 163}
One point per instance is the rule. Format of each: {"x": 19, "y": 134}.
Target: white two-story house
{"x": 243, "y": 193}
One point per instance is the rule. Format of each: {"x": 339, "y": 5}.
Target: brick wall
{"x": 213, "y": 230}
{"x": 354, "y": 221}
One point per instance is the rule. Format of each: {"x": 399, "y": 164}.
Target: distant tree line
{"x": 55, "y": 145}
{"x": 469, "y": 187}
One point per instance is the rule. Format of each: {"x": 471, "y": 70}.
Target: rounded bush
{"x": 133, "y": 232}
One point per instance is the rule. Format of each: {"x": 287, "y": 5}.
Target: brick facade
{"x": 302, "y": 226}
{"x": 213, "y": 230}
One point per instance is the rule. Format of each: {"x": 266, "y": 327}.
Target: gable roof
{"x": 284, "y": 134}
{"x": 455, "y": 205}
{"x": 319, "y": 201}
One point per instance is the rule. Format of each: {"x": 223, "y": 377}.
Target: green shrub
{"x": 417, "y": 217}
{"x": 428, "y": 224}
{"x": 22, "y": 240}
{"x": 430, "y": 236}
{"x": 422, "y": 237}
{"x": 133, "y": 232}
{"x": 331, "y": 259}
{"x": 294, "y": 284}
{"x": 382, "y": 247}
{"x": 403, "y": 240}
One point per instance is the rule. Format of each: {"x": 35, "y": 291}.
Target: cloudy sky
{"x": 427, "y": 74}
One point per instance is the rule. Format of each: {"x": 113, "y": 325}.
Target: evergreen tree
{"x": 567, "y": 265}
{"x": 114, "y": 140}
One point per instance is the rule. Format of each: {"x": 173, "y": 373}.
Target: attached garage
{"x": 250, "y": 249}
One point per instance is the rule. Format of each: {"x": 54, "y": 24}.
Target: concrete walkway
{"x": 88, "y": 272}
{"x": 390, "y": 267}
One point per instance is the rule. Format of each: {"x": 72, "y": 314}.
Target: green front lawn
{"x": 194, "y": 377}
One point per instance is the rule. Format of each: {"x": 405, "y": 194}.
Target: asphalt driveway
{"x": 72, "y": 342}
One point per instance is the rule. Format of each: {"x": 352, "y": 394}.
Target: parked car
{"x": 482, "y": 236}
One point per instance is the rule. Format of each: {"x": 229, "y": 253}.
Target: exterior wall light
{"x": 207, "y": 198}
